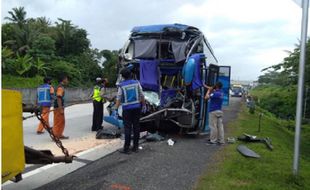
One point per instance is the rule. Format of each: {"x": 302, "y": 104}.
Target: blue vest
{"x": 130, "y": 98}
{"x": 44, "y": 95}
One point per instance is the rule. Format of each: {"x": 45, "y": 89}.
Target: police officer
{"x": 98, "y": 100}
{"x": 131, "y": 97}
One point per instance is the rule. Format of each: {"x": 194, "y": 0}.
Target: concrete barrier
{"x": 72, "y": 95}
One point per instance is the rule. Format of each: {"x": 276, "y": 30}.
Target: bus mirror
{"x": 128, "y": 57}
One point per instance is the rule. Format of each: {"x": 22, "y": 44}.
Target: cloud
{"x": 248, "y": 35}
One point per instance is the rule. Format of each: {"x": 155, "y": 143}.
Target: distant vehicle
{"x": 237, "y": 91}
{"x": 172, "y": 62}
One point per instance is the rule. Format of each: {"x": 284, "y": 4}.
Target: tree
{"x": 18, "y": 16}
{"x": 78, "y": 42}
{"x": 35, "y": 46}
{"x": 88, "y": 62}
{"x": 64, "y": 32}
{"x": 285, "y": 74}
{"x": 21, "y": 34}
{"x": 43, "y": 47}
{"x": 43, "y": 23}
{"x": 62, "y": 67}
{"x": 110, "y": 65}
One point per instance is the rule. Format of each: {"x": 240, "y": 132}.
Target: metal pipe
{"x": 304, "y": 27}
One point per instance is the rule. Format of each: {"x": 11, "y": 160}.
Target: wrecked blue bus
{"x": 172, "y": 63}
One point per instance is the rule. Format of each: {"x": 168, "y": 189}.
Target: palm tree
{"x": 24, "y": 38}
{"x": 23, "y": 34}
{"x": 18, "y": 15}
{"x": 65, "y": 31}
{"x": 41, "y": 24}
{"x": 44, "y": 21}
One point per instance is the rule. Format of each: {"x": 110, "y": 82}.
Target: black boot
{"x": 125, "y": 151}
{"x": 135, "y": 149}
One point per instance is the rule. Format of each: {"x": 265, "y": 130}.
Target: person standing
{"x": 98, "y": 101}
{"x": 215, "y": 95}
{"x": 45, "y": 97}
{"x": 131, "y": 97}
{"x": 59, "y": 113}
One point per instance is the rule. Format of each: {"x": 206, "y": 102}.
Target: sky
{"x": 247, "y": 35}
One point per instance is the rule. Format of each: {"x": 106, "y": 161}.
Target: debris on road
{"x": 154, "y": 137}
{"x": 170, "y": 142}
{"x": 108, "y": 133}
{"x": 231, "y": 140}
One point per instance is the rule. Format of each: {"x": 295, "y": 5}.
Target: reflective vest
{"x": 44, "y": 95}
{"x": 130, "y": 91}
{"x": 96, "y": 94}
{"x": 62, "y": 97}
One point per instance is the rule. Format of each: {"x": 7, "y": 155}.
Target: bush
{"x": 278, "y": 100}
{"x": 59, "y": 68}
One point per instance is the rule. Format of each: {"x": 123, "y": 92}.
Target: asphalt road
{"x": 156, "y": 167}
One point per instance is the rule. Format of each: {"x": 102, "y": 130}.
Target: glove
{"x": 144, "y": 109}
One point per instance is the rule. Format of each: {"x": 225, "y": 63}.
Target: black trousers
{"x": 131, "y": 119}
{"x": 97, "y": 115}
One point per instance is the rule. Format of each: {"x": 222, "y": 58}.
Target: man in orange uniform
{"x": 59, "y": 113}
{"x": 45, "y": 95}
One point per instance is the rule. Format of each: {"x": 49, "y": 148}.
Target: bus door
{"x": 224, "y": 78}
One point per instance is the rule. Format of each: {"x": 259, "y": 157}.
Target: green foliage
{"x": 110, "y": 65}
{"x": 41, "y": 68}
{"x": 78, "y": 43}
{"x": 6, "y": 54}
{"x": 62, "y": 67}
{"x": 43, "y": 47}
{"x": 88, "y": 63}
{"x": 18, "y": 15}
{"x": 281, "y": 101}
{"x": 23, "y": 64}
{"x": 35, "y": 46}
{"x": 285, "y": 75}
{"x": 9, "y": 81}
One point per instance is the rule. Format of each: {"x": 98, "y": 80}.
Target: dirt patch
{"x": 77, "y": 145}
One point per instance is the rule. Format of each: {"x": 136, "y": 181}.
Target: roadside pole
{"x": 305, "y": 102}
{"x": 304, "y": 28}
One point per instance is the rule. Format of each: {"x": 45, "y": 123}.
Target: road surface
{"x": 156, "y": 167}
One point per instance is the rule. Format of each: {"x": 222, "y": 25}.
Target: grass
{"x": 272, "y": 171}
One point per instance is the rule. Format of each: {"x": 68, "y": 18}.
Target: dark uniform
{"x": 130, "y": 95}
{"x": 98, "y": 101}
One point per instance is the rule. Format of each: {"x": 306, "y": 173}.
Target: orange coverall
{"x": 59, "y": 114}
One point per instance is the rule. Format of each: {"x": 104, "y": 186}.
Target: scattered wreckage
{"x": 245, "y": 151}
